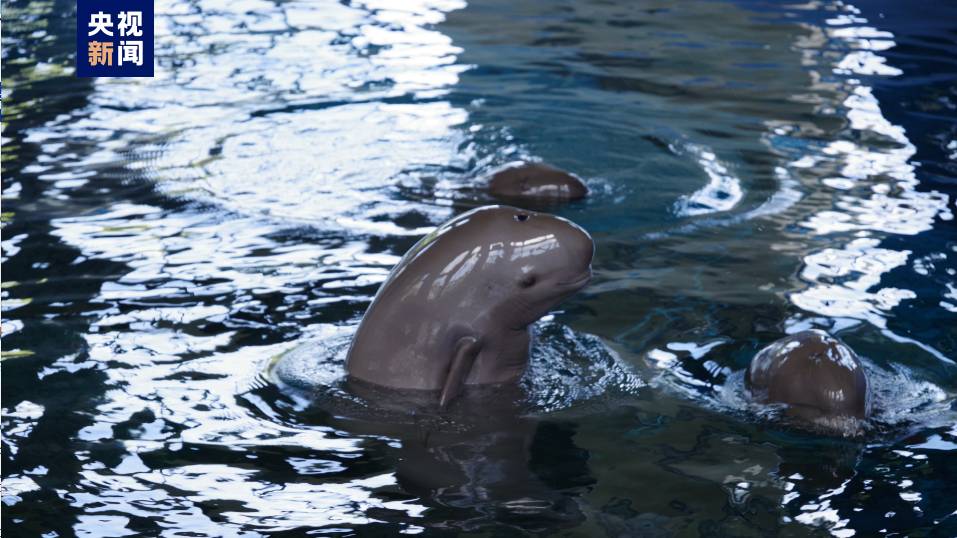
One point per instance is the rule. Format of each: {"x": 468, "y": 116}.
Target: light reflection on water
{"x": 169, "y": 237}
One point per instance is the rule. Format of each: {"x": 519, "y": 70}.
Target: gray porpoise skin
{"x": 456, "y": 309}
{"x": 816, "y": 374}
{"x": 537, "y": 182}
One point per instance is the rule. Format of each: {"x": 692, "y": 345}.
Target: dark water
{"x": 756, "y": 169}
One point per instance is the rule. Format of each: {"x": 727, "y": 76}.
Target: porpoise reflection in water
{"x": 473, "y": 458}
{"x": 816, "y": 375}
{"x": 456, "y": 309}
{"x": 470, "y": 462}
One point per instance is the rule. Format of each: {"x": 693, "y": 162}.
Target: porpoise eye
{"x": 521, "y": 217}
{"x": 527, "y": 281}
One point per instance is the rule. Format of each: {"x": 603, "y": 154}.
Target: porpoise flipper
{"x": 466, "y": 350}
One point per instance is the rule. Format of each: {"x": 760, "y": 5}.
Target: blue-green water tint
{"x": 756, "y": 169}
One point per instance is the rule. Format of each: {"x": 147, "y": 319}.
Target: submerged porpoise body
{"x": 456, "y": 309}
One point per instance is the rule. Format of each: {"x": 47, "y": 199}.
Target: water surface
{"x": 755, "y": 169}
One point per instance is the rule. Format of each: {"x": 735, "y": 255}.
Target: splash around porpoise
{"x": 898, "y": 402}
{"x": 566, "y": 369}
{"x": 571, "y": 373}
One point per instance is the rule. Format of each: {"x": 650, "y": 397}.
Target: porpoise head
{"x": 814, "y": 373}
{"x": 520, "y": 181}
{"x": 455, "y": 310}
{"x": 520, "y": 263}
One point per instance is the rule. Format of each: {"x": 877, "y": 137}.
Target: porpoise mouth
{"x": 577, "y": 282}
{"x": 561, "y": 291}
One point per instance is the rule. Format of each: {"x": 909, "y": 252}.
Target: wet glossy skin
{"x": 535, "y": 181}
{"x": 816, "y": 374}
{"x": 456, "y": 309}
